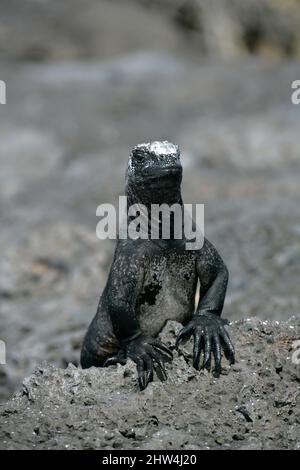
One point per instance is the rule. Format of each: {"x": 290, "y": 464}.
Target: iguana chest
{"x": 167, "y": 292}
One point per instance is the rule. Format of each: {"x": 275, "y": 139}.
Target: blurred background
{"x": 88, "y": 79}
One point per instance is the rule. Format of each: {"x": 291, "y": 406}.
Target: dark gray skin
{"x": 153, "y": 281}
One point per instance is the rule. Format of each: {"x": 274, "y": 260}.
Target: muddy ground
{"x": 65, "y": 135}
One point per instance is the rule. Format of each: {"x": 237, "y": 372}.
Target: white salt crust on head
{"x": 159, "y": 148}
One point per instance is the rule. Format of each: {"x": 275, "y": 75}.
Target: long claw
{"x": 167, "y": 353}
{"x": 160, "y": 370}
{"x": 118, "y": 358}
{"x": 165, "y": 357}
{"x": 141, "y": 373}
{"x": 227, "y": 346}
{"x": 197, "y": 350}
{"x": 207, "y": 352}
{"x": 184, "y": 335}
{"x": 111, "y": 361}
{"x": 217, "y": 354}
{"x": 149, "y": 368}
{"x": 158, "y": 364}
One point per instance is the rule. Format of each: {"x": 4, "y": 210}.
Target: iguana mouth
{"x": 156, "y": 173}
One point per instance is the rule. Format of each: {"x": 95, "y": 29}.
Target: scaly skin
{"x": 152, "y": 281}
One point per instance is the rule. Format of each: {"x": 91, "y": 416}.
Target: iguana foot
{"x": 210, "y": 337}
{"x": 149, "y": 354}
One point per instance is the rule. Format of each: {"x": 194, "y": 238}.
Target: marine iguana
{"x": 152, "y": 281}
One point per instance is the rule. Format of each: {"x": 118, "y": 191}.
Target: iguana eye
{"x": 140, "y": 156}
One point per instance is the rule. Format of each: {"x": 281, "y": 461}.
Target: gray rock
{"x": 95, "y": 408}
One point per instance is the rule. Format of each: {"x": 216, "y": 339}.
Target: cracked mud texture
{"x": 255, "y": 404}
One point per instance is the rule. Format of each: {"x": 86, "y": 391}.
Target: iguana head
{"x": 154, "y": 173}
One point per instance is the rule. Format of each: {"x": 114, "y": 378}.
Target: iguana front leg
{"x": 123, "y": 287}
{"x": 208, "y": 329}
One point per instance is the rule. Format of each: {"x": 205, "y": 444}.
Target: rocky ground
{"x": 255, "y": 404}
{"x": 65, "y": 134}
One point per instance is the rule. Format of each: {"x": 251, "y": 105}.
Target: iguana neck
{"x": 144, "y": 200}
